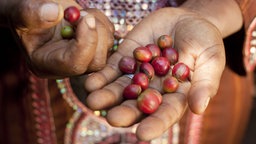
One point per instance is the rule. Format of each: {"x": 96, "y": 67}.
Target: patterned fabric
{"x": 33, "y": 111}
{"x": 89, "y": 127}
{"x": 124, "y": 14}
{"x": 249, "y": 15}
{"x": 250, "y": 46}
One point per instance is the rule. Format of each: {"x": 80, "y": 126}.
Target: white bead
{"x": 254, "y": 33}
{"x": 253, "y": 42}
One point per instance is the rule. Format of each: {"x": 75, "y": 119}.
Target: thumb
{"x": 42, "y": 14}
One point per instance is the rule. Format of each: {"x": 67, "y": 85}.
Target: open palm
{"x": 200, "y": 46}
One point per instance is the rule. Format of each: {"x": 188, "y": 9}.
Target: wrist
{"x": 248, "y": 11}
{"x": 224, "y": 14}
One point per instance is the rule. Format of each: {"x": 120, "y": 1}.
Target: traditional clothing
{"x": 47, "y": 111}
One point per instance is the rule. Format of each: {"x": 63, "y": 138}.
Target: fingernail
{"x": 206, "y": 102}
{"x": 90, "y": 20}
{"x": 49, "y": 12}
{"x": 83, "y": 13}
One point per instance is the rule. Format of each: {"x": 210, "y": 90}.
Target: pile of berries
{"x": 159, "y": 59}
{"x": 71, "y": 15}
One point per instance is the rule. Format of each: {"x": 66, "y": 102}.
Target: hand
{"x": 49, "y": 55}
{"x": 200, "y": 46}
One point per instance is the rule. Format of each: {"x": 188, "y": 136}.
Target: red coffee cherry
{"x": 132, "y": 91}
{"x": 161, "y": 65}
{"x": 127, "y": 65}
{"x": 171, "y": 54}
{"x": 148, "y": 69}
{"x": 181, "y": 71}
{"x": 71, "y": 14}
{"x": 142, "y": 54}
{"x": 141, "y": 79}
{"x": 155, "y": 50}
{"x": 170, "y": 84}
{"x": 148, "y": 101}
{"x": 164, "y": 41}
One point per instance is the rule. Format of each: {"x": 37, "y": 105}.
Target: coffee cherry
{"x": 67, "y": 32}
{"x": 148, "y": 69}
{"x": 141, "y": 79}
{"x": 161, "y": 65}
{"x": 164, "y": 41}
{"x": 71, "y": 14}
{"x": 142, "y": 54}
{"x": 170, "y": 84}
{"x": 127, "y": 65}
{"x": 148, "y": 101}
{"x": 155, "y": 50}
{"x": 132, "y": 91}
{"x": 157, "y": 94}
{"x": 171, "y": 54}
{"x": 153, "y": 59}
{"x": 181, "y": 71}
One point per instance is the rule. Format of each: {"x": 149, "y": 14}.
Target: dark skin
{"x": 197, "y": 28}
{"x": 198, "y": 54}
{"x": 50, "y": 55}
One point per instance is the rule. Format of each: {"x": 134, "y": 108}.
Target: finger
{"x": 101, "y": 17}
{"x": 108, "y": 96}
{"x": 111, "y": 95}
{"x": 71, "y": 57}
{"x": 111, "y": 71}
{"x": 144, "y": 33}
{"x": 206, "y": 78}
{"x": 106, "y": 22}
{"x": 133, "y": 40}
{"x": 205, "y": 56}
{"x": 41, "y": 14}
{"x": 169, "y": 112}
{"x": 100, "y": 58}
{"x": 103, "y": 46}
{"x": 116, "y": 117}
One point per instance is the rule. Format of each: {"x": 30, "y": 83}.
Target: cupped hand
{"x": 51, "y": 56}
{"x": 200, "y": 46}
